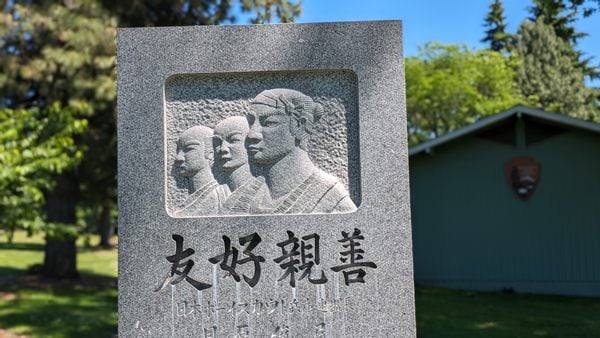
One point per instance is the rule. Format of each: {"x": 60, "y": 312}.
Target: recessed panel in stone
{"x": 320, "y": 113}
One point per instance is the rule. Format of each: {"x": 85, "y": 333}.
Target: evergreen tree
{"x": 496, "y": 33}
{"x": 587, "y": 11}
{"x": 561, "y": 15}
{"x": 547, "y": 74}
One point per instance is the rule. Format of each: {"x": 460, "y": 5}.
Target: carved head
{"x": 280, "y": 120}
{"x": 194, "y": 150}
{"x": 229, "y": 143}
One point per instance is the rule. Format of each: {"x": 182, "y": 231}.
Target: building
{"x": 511, "y": 202}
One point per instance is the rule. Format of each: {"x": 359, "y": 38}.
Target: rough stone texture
{"x": 207, "y": 99}
{"x": 148, "y": 59}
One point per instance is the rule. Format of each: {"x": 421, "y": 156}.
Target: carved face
{"x": 229, "y": 143}
{"x": 269, "y": 139}
{"x": 191, "y": 156}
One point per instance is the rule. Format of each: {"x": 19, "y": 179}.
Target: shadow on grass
{"x": 22, "y": 246}
{"x": 38, "y": 282}
{"x": 95, "y": 248}
{"x": 47, "y": 307}
{"x": 61, "y": 312}
{"x": 7, "y": 272}
{"x": 40, "y": 247}
{"x": 454, "y": 313}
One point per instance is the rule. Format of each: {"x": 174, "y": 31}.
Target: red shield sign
{"x": 523, "y": 175}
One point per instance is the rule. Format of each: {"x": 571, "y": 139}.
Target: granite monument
{"x": 263, "y": 182}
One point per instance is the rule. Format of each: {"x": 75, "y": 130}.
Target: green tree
{"x": 591, "y": 9}
{"x": 263, "y": 10}
{"x": 561, "y": 16}
{"x": 496, "y": 34}
{"x": 55, "y": 54}
{"x": 547, "y": 74}
{"x": 35, "y": 146}
{"x": 449, "y": 86}
{"x": 146, "y": 13}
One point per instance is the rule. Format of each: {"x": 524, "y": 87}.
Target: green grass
{"x": 25, "y": 251}
{"x": 451, "y": 313}
{"x": 61, "y": 312}
{"x": 85, "y": 308}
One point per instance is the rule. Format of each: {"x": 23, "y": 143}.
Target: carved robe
{"x": 238, "y": 202}
{"x": 319, "y": 193}
{"x": 204, "y": 201}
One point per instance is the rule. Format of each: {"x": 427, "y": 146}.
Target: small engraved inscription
{"x": 281, "y": 332}
{"x": 243, "y": 331}
{"x": 269, "y": 311}
{"x": 320, "y": 330}
{"x": 261, "y": 307}
{"x": 210, "y": 332}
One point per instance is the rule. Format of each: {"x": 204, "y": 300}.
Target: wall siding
{"x": 471, "y": 231}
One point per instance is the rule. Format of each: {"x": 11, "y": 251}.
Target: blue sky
{"x": 443, "y": 21}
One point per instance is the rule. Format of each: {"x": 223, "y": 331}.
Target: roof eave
{"x": 488, "y": 121}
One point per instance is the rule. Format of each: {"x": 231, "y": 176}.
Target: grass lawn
{"x": 42, "y": 308}
{"x": 88, "y": 307}
{"x": 451, "y": 313}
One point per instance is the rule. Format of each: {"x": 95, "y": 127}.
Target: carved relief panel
{"x": 273, "y": 143}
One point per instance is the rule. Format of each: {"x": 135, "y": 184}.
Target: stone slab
{"x": 170, "y": 79}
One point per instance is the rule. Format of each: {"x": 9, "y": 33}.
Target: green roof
{"x": 518, "y": 111}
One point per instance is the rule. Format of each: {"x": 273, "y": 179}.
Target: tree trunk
{"x": 11, "y": 234}
{"x": 105, "y": 226}
{"x": 60, "y": 258}
{"x": 60, "y": 250}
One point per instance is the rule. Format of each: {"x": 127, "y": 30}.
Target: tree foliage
{"x": 145, "y": 13}
{"x": 35, "y": 145}
{"x": 263, "y": 10}
{"x": 547, "y": 74}
{"x": 449, "y": 86}
{"x": 561, "y": 16}
{"x": 496, "y": 34}
{"x": 56, "y": 54}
